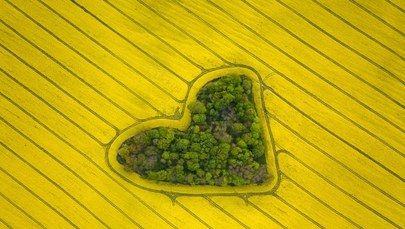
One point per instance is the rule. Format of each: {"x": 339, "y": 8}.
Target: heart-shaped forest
{"x": 223, "y": 145}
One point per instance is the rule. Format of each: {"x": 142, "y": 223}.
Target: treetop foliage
{"x": 222, "y": 146}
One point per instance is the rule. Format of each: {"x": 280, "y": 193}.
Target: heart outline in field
{"x": 182, "y": 124}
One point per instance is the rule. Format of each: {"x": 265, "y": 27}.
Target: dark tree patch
{"x": 222, "y": 146}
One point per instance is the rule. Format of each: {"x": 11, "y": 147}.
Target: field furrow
{"x": 376, "y": 52}
{"x": 343, "y": 152}
{"x": 78, "y": 77}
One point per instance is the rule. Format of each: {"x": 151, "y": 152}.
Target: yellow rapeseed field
{"x": 79, "y": 77}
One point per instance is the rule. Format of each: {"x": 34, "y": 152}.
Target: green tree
{"x": 199, "y": 118}
{"x": 181, "y": 145}
{"x": 237, "y": 128}
{"x": 159, "y": 175}
{"x": 222, "y": 146}
{"x": 197, "y": 107}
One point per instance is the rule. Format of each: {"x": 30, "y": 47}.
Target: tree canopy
{"x": 222, "y": 146}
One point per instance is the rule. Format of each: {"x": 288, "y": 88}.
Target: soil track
{"x": 76, "y": 74}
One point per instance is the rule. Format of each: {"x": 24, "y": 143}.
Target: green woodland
{"x": 222, "y": 146}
